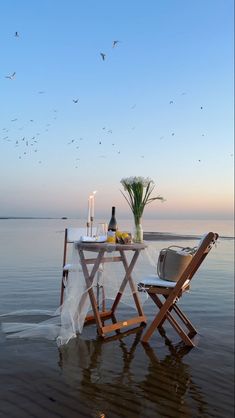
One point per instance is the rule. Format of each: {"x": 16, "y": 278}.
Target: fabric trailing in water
{"x": 65, "y": 322}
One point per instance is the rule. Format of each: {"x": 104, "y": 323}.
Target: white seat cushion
{"x": 154, "y": 280}
{"x": 74, "y": 234}
{"x": 67, "y": 267}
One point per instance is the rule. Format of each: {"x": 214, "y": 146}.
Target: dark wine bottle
{"x": 112, "y": 226}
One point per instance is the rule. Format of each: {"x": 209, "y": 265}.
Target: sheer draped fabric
{"x": 67, "y": 320}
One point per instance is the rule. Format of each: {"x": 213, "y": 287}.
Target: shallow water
{"x": 122, "y": 377}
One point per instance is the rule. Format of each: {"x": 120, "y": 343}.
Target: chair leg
{"x": 182, "y": 316}
{"x": 64, "y": 279}
{"x": 103, "y": 300}
{"x": 184, "y": 319}
{"x": 161, "y": 316}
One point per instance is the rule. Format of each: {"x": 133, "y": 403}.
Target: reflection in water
{"x": 168, "y": 384}
{"x": 125, "y": 378}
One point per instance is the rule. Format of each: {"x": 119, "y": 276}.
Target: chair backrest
{"x": 204, "y": 248}
{"x": 70, "y": 236}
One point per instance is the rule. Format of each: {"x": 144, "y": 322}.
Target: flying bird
{"x": 75, "y": 100}
{"x": 171, "y": 102}
{"x": 115, "y": 43}
{"x": 103, "y": 56}
{"x": 11, "y": 77}
{"x": 17, "y": 35}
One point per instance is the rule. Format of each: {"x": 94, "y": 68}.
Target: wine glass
{"x": 101, "y": 231}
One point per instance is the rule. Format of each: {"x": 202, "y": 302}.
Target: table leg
{"x": 128, "y": 279}
{"x": 89, "y": 280}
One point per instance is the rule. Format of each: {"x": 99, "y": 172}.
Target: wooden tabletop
{"x": 107, "y": 246}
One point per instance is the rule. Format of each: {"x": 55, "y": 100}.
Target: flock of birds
{"x": 30, "y": 144}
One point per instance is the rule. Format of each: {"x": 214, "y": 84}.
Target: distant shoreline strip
{"x": 148, "y": 236}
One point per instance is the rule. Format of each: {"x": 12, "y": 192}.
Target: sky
{"x": 160, "y": 105}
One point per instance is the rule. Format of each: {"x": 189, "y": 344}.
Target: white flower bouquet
{"x": 138, "y": 195}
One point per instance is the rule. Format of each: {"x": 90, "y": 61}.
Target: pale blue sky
{"x": 178, "y": 51}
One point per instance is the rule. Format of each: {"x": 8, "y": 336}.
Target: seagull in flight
{"x": 75, "y": 100}
{"x": 115, "y": 43}
{"x": 12, "y": 76}
{"x": 17, "y": 34}
{"x": 171, "y": 102}
{"x": 103, "y": 56}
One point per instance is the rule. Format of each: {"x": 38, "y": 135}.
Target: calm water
{"x": 120, "y": 378}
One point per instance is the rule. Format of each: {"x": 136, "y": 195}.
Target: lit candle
{"x": 92, "y": 206}
{"x": 89, "y": 210}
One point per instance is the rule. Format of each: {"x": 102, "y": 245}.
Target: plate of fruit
{"x": 123, "y": 237}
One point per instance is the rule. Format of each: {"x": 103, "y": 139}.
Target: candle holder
{"x": 87, "y": 228}
{"x": 92, "y": 219}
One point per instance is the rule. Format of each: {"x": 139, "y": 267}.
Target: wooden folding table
{"x": 101, "y": 249}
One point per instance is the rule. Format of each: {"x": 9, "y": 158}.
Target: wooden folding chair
{"x": 172, "y": 291}
{"x": 70, "y": 236}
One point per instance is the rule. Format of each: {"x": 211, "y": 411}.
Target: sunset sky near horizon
{"x": 159, "y": 105}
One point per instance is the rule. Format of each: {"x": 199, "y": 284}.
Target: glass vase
{"x": 138, "y": 231}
